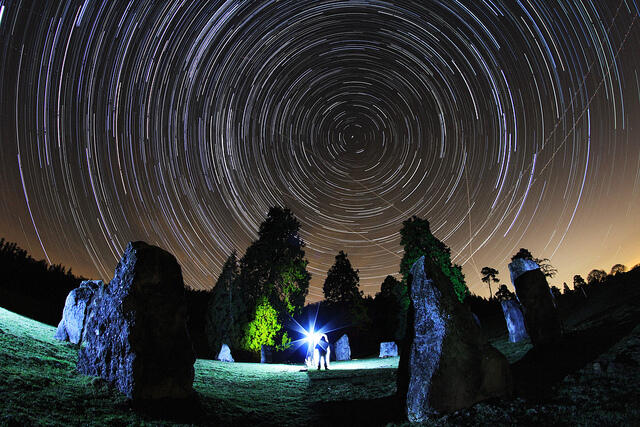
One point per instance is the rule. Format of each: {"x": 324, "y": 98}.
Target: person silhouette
{"x": 323, "y": 351}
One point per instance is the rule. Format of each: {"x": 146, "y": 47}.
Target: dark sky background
{"x": 506, "y": 124}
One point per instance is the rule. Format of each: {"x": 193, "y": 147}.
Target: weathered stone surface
{"x": 519, "y": 266}
{"x": 266, "y": 354}
{"x": 342, "y": 348}
{"x": 540, "y": 316}
{"x": 136, "y": 335}
{"x": 225, "y": 354}
{"x": 388, "y": 349}
{"x": 71, "y": 326}
{"x": 446, "y": 363}
{"x": 515, "y": 320}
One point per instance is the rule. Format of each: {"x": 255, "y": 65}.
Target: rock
{"x": 225, "y": 354}
{"x": 388, "y": 349}
{"x": 342, "y": 349}
{"x": 476, "y": 319}
{"x": 266, "y": 354}
{"x": 540, "y": 316}
{"x": 71, "y": 326}
{"x": 515, "y": 320}
{"x": 136, "y": 332}
{"x": 446, "y": 363}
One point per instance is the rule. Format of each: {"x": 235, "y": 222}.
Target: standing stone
{"x": 342, "y": 349}
{"x": 515, "y": 320}
{"x": 266, "y": 354}
{"x": 225, "y": 354}
{"x": 71, "y": 326}
{"x": 388, "y": 349}
{"x": 540, "y": 316}
{"x": 136, "y": 332}
{"x": 446, "y": 363}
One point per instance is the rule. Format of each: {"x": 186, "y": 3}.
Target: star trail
{"x": 506, "y": 124}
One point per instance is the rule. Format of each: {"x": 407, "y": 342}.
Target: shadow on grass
{"x": 360, "y": 412}
{"x": 180, "y": 411}
{"x": 540, "y": 368}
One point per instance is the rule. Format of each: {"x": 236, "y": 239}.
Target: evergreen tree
{"x": 417, "y": 240}
{"x": 390, "y": 308}
{"x": 264, "y": 328}
{"x": 274, "y": 267}
{"x": 226, "y": 308}
{"x": 342, "y": 282}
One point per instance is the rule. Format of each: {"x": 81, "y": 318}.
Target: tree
{"x": 417, "y": 240}
{"x": 342, "y": 282}
{"x": 226, "y": 308}
{"x": 489, "y": 275}
{"x": 618, "y": 268}
{"x": 565, "y": 288}
{"x": 578, "y": 282}
{"x": 596, "y": 276}
{"x": 264, "y": 328}
{"x": 274, "y": 267}
{"x": 504, "y": 294}
{"x": 523, "y": 254}
{"x": 390, "y": 308}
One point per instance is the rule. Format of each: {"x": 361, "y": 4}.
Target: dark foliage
{"x": 596, "y": 276}
{"x": 389, "y": 314}
{"x": 197, "y": 303}
{"x": 342, "y": 284}
{"x": 226, "y": 311}
{"x": 503, "y": 293}
{"x": 489, "y": 275}
{"x": 274, "y": 266}
{"x": 33, "y": 288}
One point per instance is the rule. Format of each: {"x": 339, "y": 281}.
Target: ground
{"x": 596, "y": 383}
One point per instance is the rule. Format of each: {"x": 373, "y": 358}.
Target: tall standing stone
{"x": 515, "y": 320}
{"x": 342, "y": 348}
{"x": 72, "y": 325}
{"x": 540, "y": 316}
{"x": 388, "y": 349}
{"x": 445, "y": 363}
{"x": 136, "y": 332}
{"x": 225, "y": 354}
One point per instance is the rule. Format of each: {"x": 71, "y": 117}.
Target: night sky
{"x": 506, "y": 124}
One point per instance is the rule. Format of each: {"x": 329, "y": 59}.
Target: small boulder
{"x": 342, "y": 348}
{"x": 446, "y": 364}
{"x": 71, "y": 326}
{"x": 515, "y": 320}
{"x": 136, "y": 329}
{"x": 225, "y": 354}
{"x": 388, "y": 349}
{"x": 266, "y": 354}
{"x": 540, "y": 315}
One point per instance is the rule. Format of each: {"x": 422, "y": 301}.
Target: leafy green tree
{"x": 226, "y": 308}
{"x": 342, "y": 284}
{"x": 264, "y": 328}
{"x": 417, "y": 240}
{"x": 489, "y": 275}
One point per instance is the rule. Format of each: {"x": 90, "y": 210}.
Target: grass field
{"x": 39, "y": 385}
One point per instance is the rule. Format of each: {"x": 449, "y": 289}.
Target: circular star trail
{"x": 505, "y": 124}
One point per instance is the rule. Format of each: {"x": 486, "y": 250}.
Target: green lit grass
{"x": 40, "y": 385}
